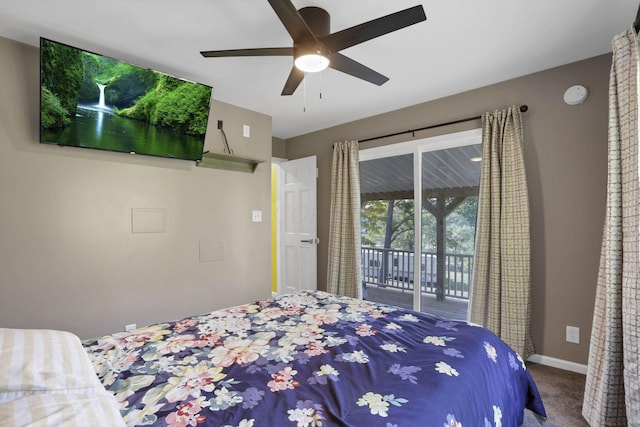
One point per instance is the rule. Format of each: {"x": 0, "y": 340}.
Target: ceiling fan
{"x": 316, "y": 48}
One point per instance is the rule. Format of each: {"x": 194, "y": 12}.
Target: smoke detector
{"x": 575, "y": 95}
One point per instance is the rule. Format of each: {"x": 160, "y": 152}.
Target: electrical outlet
{"x": 573, "y": 334}
{"x": 130, "y": 327}
{"x": 219, "y": 124}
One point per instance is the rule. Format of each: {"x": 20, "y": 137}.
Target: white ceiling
{"x": 464, "y": 44}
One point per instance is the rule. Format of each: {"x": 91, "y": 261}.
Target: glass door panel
{"x": 450, "y": 181}
{"x": 387, "y": 230}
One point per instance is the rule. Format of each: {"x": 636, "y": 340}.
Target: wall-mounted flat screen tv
{"x": 92, "y": 101}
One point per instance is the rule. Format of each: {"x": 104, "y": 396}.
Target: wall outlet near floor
{"x": 130, "y": 327}
{"x": 573, "y": 334}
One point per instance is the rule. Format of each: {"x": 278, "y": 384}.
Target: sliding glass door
{"x": 421, "y": 261}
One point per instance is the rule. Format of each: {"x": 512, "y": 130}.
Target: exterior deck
{"x": 388, "y": 278}
{"x": 450, "y": 308}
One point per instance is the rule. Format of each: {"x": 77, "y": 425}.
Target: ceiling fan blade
{"x": 293, "y": 81}
{"x": 349, "y": 66}
{"x": 292, "y": 21}
{"x": 267, "y": 51}
{"x": 372, "y": 29}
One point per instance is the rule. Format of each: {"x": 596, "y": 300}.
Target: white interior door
{"x": 298, "y": 225}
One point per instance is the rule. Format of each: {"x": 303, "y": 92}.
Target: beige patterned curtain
{"x": 344, "y": 275}
{"x": 501, "y": 299}
{"x": 612, "y": 391}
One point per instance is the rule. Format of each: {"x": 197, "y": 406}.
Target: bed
{"x": 312, "y": 359}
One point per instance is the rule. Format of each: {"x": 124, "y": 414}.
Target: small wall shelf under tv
{"x": 229, "y": 162}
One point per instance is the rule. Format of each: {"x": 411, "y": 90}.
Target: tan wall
{"x": 279, "y": 148}
{"x": 566, "y": 160}
{"x": 68, "y": 258}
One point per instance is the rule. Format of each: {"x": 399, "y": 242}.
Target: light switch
{"x": 246, "y": 131}
{"x": 256, "y": 216}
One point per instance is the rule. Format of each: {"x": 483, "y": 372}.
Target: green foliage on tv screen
{"x": 173, "y": 103}
{"x": 89, "y": 92}
{"x": 62, "y": 73}
{"x": 52, "y": 114}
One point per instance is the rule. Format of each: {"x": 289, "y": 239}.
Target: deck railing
{"x": 395, "y": 269}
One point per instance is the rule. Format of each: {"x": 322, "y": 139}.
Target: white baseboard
{"x": 558, "y": 363}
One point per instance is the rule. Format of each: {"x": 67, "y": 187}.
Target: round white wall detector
{"x": 575, "y": 95}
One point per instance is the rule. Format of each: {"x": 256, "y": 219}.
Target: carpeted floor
{"x": 561, "y": 393}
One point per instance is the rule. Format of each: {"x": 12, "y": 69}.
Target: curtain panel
{"x": 344, "y": 271}
{"x": 501, "y": 299}
{"x": 612, "y": 390}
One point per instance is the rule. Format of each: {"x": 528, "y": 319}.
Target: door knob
{"x": 313, "y": 241}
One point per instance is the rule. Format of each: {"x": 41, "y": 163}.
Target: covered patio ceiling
{"x": 449, "y": 173}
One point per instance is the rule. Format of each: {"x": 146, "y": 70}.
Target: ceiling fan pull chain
{"x": 304, "y": 93}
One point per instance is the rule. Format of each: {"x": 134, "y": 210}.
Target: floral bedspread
{"x": 314, "y": 359}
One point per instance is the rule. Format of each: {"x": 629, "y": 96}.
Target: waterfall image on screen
{"x": 92, "y": 101}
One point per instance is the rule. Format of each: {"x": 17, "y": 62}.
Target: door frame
{"x": 275, "y": 225}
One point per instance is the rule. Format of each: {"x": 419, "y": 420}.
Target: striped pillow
{"x": 38, "y": 361}
{"x": 68, "y": 410}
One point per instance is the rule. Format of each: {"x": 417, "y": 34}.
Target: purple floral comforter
{"x": 314, "y": 359}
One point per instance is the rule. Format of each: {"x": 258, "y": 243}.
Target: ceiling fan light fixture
{"x": 311, "y": 62}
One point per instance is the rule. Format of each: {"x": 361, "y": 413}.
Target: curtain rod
{"x": 523, "y": 108}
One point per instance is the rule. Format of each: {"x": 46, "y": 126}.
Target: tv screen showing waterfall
{"x": 92, "y": 101}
